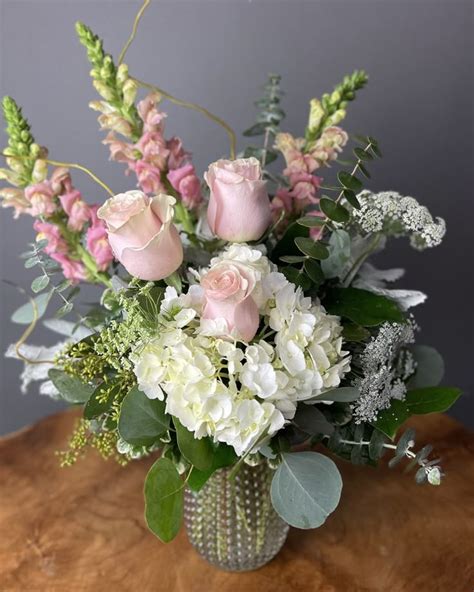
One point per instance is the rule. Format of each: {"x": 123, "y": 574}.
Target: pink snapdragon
{"x": 14, "y": 197}
{"x": 51, "y": 233}
{"x": 41, "y": 198}
{"x": 76, "y": 209}
{"x": 72, "y": 270}
{"x": 186, "y": 182}
{"x": 177, "y": 154}
{"x": 99, "y": 247}
{"x": 149, "y": 177}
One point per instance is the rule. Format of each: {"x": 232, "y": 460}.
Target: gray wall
{"x": 418, "y": 104}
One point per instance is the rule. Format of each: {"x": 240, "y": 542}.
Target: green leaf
{"x": 286, "y": 245}
{"x": 339, "y": 254}
{"x": 349, "y": 181}
{"x": 199, "y": 453}
{"x": 29, "y": 263}
{"x": 311, "y": 221}
{"x": 259, "y": 153}
{"x": 313, "y": 271}
{"x": 305, "y": 489}
{"x": 297, "y": 277}
{"x": 64, "y": 310}
{"x": 362, "y": 307}
{"x": 342, "y": 394}
{"x": 376, "y": 150}
{"x": 293, "y": 258}
{"x": 351, "y": 198}
{"x": 71, "y": 388}
{"x": 224, "y": 456}
{"x": 355, "y": 333}
{"x": 312, "y": 421}
{"x": 164, "y": 500}
{"x": 101, "y": 399}
{"x": 256, "y": 130}
{"x": 362, "y": 154}
{"x": 333, "y": 210}
{"x": 376, "y": 445}
{"x": 417, "y": 402}
{"x": 364, "y": 171}
{"x": 142, "y": 420}
{"x": 25, "y": 314}
{"x": 313, "y": 249}
{"x": 429, "y": 367}
{"x": 39, "y": 283}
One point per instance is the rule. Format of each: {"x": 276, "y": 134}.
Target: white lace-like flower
{"x": 394, "y": 215}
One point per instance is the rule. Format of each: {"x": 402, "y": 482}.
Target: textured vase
{"x": 231, "y": 523}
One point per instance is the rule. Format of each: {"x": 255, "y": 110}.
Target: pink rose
{"x": 152, "y": 145}
{"x": 41, "y": 198}
{"x": 98, "y": 246}
{"x": 149, "y": 177}
{"x": 72, "y": 270}
{"x": 239, "y": 208}
{"x": 185, "y": 181}
{"x": 51, "y": 233}
{"x": 142, "y": 235}
{"x": 227, "y": 295}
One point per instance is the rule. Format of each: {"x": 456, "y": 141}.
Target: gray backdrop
{"x": 418, "y": 104}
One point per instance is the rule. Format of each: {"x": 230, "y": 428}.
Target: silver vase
{"x": 231, "y": 523}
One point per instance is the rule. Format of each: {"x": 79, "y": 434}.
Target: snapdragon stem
{"x": 188, "y": 105}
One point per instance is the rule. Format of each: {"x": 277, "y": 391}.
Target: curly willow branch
{"x": 29, "y": 330}
{"x": 134, "y": 31}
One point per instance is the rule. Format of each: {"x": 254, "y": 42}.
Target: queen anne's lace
{"x": 392, "y": 214}
{"x": 233, "y": 391}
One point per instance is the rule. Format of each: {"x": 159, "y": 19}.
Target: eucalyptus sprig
{"x": 267, "y": 122}
{"x": 112, "y": 83}
{"x": 332, "y": 108}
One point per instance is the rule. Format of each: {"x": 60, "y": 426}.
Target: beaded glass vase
{"x": 232, "y": 523}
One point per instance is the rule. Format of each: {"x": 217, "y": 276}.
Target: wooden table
{"x": 82, "y": 528}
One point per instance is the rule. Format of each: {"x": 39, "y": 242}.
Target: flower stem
{"x": 134, "y": 31}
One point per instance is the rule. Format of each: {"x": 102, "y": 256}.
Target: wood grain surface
{"x": 82, "y": 528}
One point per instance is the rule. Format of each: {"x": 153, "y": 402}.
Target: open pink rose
{"x": 239, "y": 208}
{"x": 142, "y": 235}
{"x": 227, "y": 295}
{"x": 186, "y": 182}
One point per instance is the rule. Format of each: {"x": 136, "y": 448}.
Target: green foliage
{"x": 312, "y": 421}
{"x": 164, "y": 499}
{"x": 334, "y": 211}
{"x": 429, "y": 367}
{"x": 339, "y": 254}
{"x": 26, "y": 313}
{"x": 101, "y": 399}
{"x": 268, "y": 121}
{"x": 199, "y": 453}
{"x": 297, "y": 277}
{"x": 71, "y": 388}
{"x": 224, "y": 456}
{"x": 21, "y": 144}
{"x": 355, "y": 333}
{"x": 305, "y": 489}
{"x": 142, "y": 420}
{"x": 362, "y": 307}
{"x": 417, "y": 402}
{"x": 342, "y": 394}
{"x": 110, "y": 81}
{"x": 309, "y": 247}
{"x": 332, "y": 107}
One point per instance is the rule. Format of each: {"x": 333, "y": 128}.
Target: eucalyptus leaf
{"x": 296, "y": 277}
{"x": 71, "y": 388}
{"x": 351, "y": 198}
{"x": 224, "y": 456}
{"x": 334, "y": 211}
{"x": 25, "y": 314}
{"x": 342, "y": 394}
{"x": 142, "y": 420}
{"x": 286, "y": 245}
{"x": 101, "y": 399}
{"x": 314, "y": 272}
{"x": 305, "y": 489}
{"x": 429, "y": 367}
{"x": 339, "y": 254}
{"x": 164, "y": 500}
{"x": 352, "y": 332}
{"x": 313, "y": 249}
{"x": 311, "y": 221}
{"x": 39, "y": 283}
{"x": 312, "y": 421}
{"x": 349, "y": 181}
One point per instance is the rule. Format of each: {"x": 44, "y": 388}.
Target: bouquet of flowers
{"x": 242, "y": 337}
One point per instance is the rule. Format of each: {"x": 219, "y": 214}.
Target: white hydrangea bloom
{"x": 235, "y": 392}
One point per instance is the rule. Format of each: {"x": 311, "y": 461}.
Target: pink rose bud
{"x": 185, "y": 181}
{"x": 239, "y": 208}
{"x": 98, "y": 246}
{"x": 41, "y": 198}
{"x": 227, "y": 295}
{"x": 149, "y": 177}
{"x": 142, "y": 235}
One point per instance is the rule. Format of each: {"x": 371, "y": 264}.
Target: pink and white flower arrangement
{"x": 240, "y": 320}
